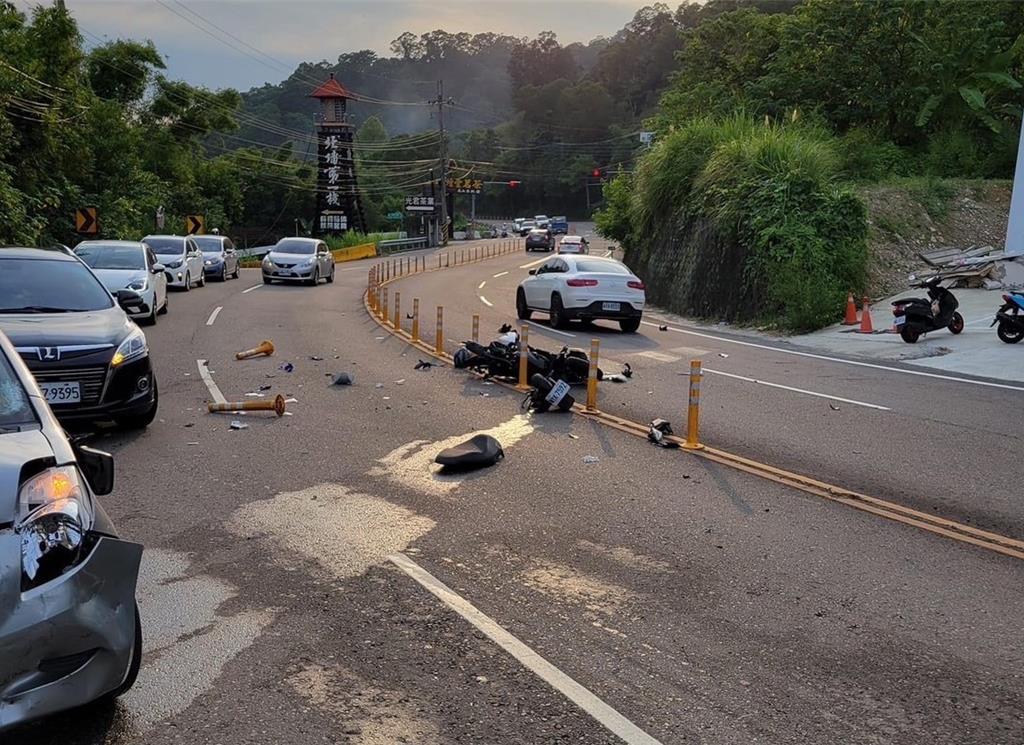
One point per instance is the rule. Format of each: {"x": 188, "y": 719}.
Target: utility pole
{"x": 441, "y": 101}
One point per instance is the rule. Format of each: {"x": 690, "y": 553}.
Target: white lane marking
{"x": 550, "y": 330}
{"x": 534, "y": 263}
{"x": 204, "y": 373}
{"x": 254, "y": 287}
{"x": 811, "y": 355}
{"x": 486, "y": 302}
{"x": 213, "y": 316}
{"x": 606, "y": 254}
{"x": 658, "y": 356}
{"x": 798, "y": 390}
{"x": 481, "y": 285}
{"x": 500, "y": 274}
{"x": 612, "y": 720}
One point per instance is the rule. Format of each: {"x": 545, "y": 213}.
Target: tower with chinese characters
{"x": 337, "y": 197}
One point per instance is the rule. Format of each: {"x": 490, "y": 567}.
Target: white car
{"x": 541, "y": 220}
{"x": 570, "y": 287}
{"x": 305, "y": 260}
{"x": 128, "y": 265}
{"x": 573, "y": 244}
{"x": 181, "y": 258}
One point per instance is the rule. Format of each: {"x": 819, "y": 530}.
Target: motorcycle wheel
{"x": 1010, "y": 333}
{"x": 909, "y": 335}
{"x": 957, "y": 324}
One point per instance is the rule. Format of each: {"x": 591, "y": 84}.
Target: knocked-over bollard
{"x": 276, "y": 406}
{"x": 264, "y": 348}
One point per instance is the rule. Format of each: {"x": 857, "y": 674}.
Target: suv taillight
{"x": 636, "y": 285}
{"x": 582, "y": 283}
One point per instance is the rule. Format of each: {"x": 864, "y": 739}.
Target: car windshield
{"x": 209, "y": 244}
{"x": 106, "y": 256}
{"x": 293, "y": 246}
{"x": 46, "y": 286}
{"x": 601, "y": 267}
{"x": 15, "y": 410}
{"x": 167, "y": 246}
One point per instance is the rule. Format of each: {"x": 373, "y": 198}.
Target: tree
{"x": 122, "y": 70}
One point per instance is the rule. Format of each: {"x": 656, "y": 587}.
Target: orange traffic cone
{"x": 865, "y": 319}
{"x": 264, "y": 348}
{"x": 851, "y": 311}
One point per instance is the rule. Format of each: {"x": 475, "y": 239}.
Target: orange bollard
{"x": 384, "y": 305}
{"x": 595, "y": 346}
{"x": 415, "y": 319}
{"x": 865, "y": 319}
{"x": 398, "y": 311}
{"x": 850, "y": 319}
{"x": 693, "y": 410}
{"x": 277, "y": 406}
{"x": 264, "y": 349}
{"x": 524, "y": 377}
{"x": 476, "y": 328}
{"x": 439, "y": 331}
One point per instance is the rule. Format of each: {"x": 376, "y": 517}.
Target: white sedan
{"x": 128, "y": 265}
{"x": 570, "y": 287}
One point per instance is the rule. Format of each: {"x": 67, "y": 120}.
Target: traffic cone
{"x": 865, "y": 319}
{"x": 265, "y": 348}
{"x": 851, "y": 311}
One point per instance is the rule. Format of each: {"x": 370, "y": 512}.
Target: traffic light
{"x": 514, "y": 184}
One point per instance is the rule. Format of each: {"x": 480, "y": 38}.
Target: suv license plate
{"x": 609, "y": 306}
{"x": 61, "y": 393}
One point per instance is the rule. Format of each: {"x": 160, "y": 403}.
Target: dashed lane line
{"x": 254, "y": 287}
{"x": 486, "y": 302}
{"x": 500, "y": 274}
{"x": 604, "y": 714}
{"x": 534, "y": 263}
{"x": 481, "y": 285}
{"x": 204, "y": 373}
{"x": 855, "y": 363}
{"x": 851, "y": 401}
{"x": 213, "y": 316}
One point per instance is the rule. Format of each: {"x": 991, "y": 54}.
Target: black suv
{"x": 540, "y": 238}
{"x": 90, "y": 360}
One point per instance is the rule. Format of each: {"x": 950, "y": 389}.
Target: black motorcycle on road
{"x": 917, "y": 315}
{"x": 1011, "y": 318}
{"x": 500, "y": 359}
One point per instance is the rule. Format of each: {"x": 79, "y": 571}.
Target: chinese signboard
{"x": 419, "y": 204}
{"x": 336, "y": 180}
{"x": 333, "y": 222}
{"x": 465, "y": 185}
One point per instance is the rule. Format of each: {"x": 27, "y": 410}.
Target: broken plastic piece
{"x": 235, "y": 424}
{"x": 663, "y": 327}
{"x": 287, "y": 367}
{"x": 616, "y": 378}
{"x": 627, "y": 370}
{"x": 316, "y": 359}
{"x": 423, "y": 365}
{"x": 342, "y": 378}
{"x": 476, "y": 452}
{"x": 591, "y": 459}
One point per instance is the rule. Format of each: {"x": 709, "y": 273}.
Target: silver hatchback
{"x": 305, "y": 260}
{"x": 69, "y": 627}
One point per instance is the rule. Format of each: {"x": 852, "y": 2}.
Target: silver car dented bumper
{"x": 70, "y": 641}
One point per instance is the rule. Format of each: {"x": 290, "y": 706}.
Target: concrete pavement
{"x": 698, "y": 603}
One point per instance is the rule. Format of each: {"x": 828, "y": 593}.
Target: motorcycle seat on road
{"x": 477, "y": 452}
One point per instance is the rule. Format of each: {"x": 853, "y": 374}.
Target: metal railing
{"x": 384, "y": 248}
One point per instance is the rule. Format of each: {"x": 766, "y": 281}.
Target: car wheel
{"x": 267, "y": 280}
{"x": 202, "y": 280}
{"x": 522, "y": 310}
{"x": 315, "y": 279}
{"x": 234, "y": 274}
{"x": 556, "y": 316}
{"x": 141, "y": 421}
{"x": 134, "y": 665}
{"x": 224, "y": 273}
{"x": 163, "y": 308}
{"x": 188, "y": 282}
{"x": 629, "y": 325}
{"x": 150, "y": 320}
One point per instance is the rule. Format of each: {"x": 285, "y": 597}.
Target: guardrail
{"x": 385, "y": 248}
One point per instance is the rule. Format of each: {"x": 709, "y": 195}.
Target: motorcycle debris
{"x": 286, "y": 367}
{"x": 723, "y": 355}
{"x": 573, "y": 437}
{"x": 663, "y": 327}
{"x": 410, "y": 316}
{"x": 316, "y": 359}
{"x": 627, "y": 370}
{"x": 235, "y": 424}
{"x": 400, "y": 382}
{"x": 834, "y": 407}
{"x": 616, "y": 378}
{"x": 423, "y": 365}
{"x": 265, "y": 387}
{"x": 254, "y": 395}
{"x": 591, "y": 459}
{"x": 379, "y": 385}
{"x": 342, "y": 378}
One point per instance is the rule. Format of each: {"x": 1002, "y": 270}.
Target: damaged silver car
{"x": 69, "y": 626}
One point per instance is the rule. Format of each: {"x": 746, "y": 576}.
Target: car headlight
{"x": 308, "y": 262}
{"x": 138, "y": 284}
{"x": 267, "y": 261}
{"x": 173, "y": 264}
{"x": 131, "y": 348}
{"x": 55, "y": 513}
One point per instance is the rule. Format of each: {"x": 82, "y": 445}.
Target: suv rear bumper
{"x": 595, "y": 311}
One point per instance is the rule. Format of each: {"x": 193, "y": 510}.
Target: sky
{"x": 312, "y": 30}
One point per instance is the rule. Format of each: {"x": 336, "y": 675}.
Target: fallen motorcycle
{"x": 500, "y": 359}
{"x": 1011, "y": 318}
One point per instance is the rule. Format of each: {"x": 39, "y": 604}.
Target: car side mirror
{"x": 129, "y": 300}
{"x": 97, "y": 467}
{"x": 157, "y": 268}
{"x": 533, "y": 272}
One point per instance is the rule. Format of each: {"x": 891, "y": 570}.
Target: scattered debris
{"x": 235, "y": 424}
{"x": 286, "y": 367}
{"x": 616, "y": 378}
{"x": 834, "y": 407}
{"x": 627, "y": 370}
{"x": 660, "y": 430}
{"x": 591, "y": 459}
{"x": 476, "y": 452}
{"x": 573, "y": 437}
{"x": 423, "y": 365}
{"x": 410, "y": 316}
{"x": 316, "y": 359}
{"x": 254, "y": 395}
{"x": 663, "y": 327}
{"x": 191, "y": 443}
{"x": 266, "y": 387}
{"x": 190, "y": 424}
{"x": 379, "y": 385}
{"x": 342, "y": 378}
{"x": 723, "y": 355}
{"x": 291, "y": 400}
{"x": 401, "y": 381}
{"x": 548, "y": 394}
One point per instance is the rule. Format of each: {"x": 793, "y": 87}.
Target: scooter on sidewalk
{"x": 1011, "y": 318}
{"x": 917, "y": 315}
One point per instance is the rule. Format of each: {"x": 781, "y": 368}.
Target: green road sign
{"x": 394, "y": 215}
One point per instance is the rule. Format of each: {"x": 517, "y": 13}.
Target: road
{"x": 668, "y": 598}
{"x": 943, "y": 444}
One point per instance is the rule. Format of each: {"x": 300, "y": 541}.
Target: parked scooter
{"x": 1011, "y": 318}
{"x": 917, "y": 315}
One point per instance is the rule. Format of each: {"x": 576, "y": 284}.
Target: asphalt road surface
{"x": 643, "y": 596}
